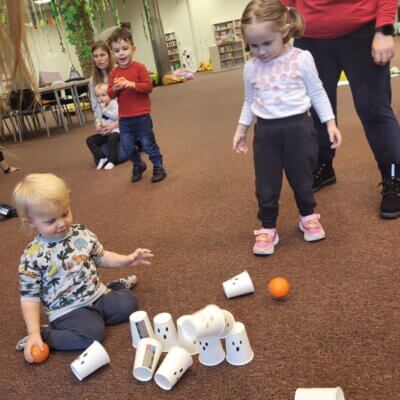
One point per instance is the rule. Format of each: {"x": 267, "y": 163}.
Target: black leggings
{"x": 95, "y": 141}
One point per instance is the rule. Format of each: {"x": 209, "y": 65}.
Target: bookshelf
{"x": 173, "y": 50}
{"x": 229, "y": 51}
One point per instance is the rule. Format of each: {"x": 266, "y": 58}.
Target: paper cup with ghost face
{"x": 147, "y": 356}
{"x": 239, "y": 285}
{"x": 140, "y": 327}
{"x": 229, "y": 324}
{"x": 185, "y": 341}
{"x": 165, "y": 331}
{"x": 319, "y": 394}
{"x": 208, "y": 322}
{"x": 93, "y": 358}
{"x": 211, "y": 351}
{"x": 174, "y": 365}
{"x": 238, "y": 349}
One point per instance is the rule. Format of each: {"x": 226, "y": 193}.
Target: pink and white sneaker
{"x": 312, "y": 228}
{"x": 266, "y": 240}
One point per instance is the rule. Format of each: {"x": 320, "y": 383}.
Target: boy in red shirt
{"x": 130, "y": 82}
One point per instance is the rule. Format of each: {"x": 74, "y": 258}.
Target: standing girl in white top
{"x": 281, "y": 85}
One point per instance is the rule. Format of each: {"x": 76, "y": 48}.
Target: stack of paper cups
{"x": 94, "y": 357}
{"x": 185, "y": 341}
{"x": 319, "y": 394}
{"x": 174, "y": 365}
{"x": 238, "y": 285}
{"x": 229, "y": 324}
{"x": 140, "y": 327}
{"x": 165, "y": 331}
{"x": 238, "y": 349}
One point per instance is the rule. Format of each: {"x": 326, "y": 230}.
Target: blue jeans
{"x": 141, "y": 127}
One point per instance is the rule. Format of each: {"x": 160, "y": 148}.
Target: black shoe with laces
{"x": 138, "y": 172}
{"x": 390, "y": 204}
{"x": 324, "y": 175}
{"x": 159, "y": 174}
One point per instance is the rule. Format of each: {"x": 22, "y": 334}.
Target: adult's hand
{"x": 108, "y": 129}
{"x": 382, "y": 48}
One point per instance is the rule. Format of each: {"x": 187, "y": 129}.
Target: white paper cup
{"x": 140, "y": 327}
{"x": 94, "y": 357}
{"x": 146, "y": 359}
{"x": 319, "y": 394}
{"x": 211, "y": 351}
{"x": 174, "y": 365}
{"x": 185, "y": 341}
{"x": 165, "y": 331}
{"x": 238, "y": 349}
{"x": 207, "y": 322}
{"x": 238, "y": 285}
{"x": 229, "y": 324}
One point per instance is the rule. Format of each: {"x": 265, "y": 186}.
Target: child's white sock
{"x": 101, "y": 163}
{"x": 109, "y": 165}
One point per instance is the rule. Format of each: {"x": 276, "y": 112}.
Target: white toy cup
{"x": 238, "y": 285}
{"x": 174, "y": 365}
{"x": 165, "y": 331}
{"x": 319, "y": 394}
{"x": 147, "y": 356}
{"x": 94, "y": 357}
{"x": 229, "y": 324}
{"x": 211, "y": 351}
{"x": 207, "y": 322}
{"x": 238, "y": 349}
{"x": 140, "y": 327}
{"x": 185, "y": 341}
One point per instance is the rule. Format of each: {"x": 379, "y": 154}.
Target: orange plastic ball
{"x": 278, "y": 287}
{"x": 38, "y": 355}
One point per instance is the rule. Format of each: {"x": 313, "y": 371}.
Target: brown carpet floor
{"x": 338, "y": 327}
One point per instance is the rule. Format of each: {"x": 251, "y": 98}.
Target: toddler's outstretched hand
{"x": 34, "y": 338}
{"x": 335, "y": 137}
{"x": 140, "y": 257}
{"x": 239, "y": 142}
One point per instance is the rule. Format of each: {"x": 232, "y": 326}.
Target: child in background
{"x": 109, "y": 110}
{"x": 59, "y": 269}
{"x": 281, "y": 84}
{"x": 130, "y": 82}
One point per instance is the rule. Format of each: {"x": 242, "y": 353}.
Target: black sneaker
{"x": 159, "y": 174}
{"x": 324, "y": 175}
{"x": 390, "y": 204}
{"x": 138, "y": 172}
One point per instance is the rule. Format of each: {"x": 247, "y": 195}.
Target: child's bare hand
{"x": 335, "y": 137}
{"x": 140, "y": 257}
{"x": 239, "y": 143}
{"x": 34, "y": 338}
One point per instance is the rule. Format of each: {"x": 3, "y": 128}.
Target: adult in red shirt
{"x": 356, "y": 36}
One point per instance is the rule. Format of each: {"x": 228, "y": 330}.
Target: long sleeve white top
{"x": 285, "y": 86}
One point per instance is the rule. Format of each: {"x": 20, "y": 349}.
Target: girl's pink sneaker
{"x": 312, "y": 228}
{"x": 266, "y": 239}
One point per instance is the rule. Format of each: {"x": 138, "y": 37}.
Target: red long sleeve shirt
{"x": 132, "y": 102}
{"x": 327, "y": 19}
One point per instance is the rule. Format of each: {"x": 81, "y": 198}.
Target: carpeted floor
{"x": 338, "y": 327}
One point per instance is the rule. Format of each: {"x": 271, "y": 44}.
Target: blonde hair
{"x": 98, "y": 76}
{"x": 37, "y": 190}
{"x": 274, "y": 11}
{"x": 101, "y": 86}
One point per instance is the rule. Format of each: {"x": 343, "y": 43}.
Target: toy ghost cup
{"x": 165, "y": 331}
{"x": 94, "y": 357}
{"x": 229, "y": 324}
{"x": 146, "y": 359}
{"x": 208, "y": 322}
{"x": 174, "y": 365}
{"x": 238, "y": 349}
{"x": 211, "y": 351}
{"x": 319, "y": 394}
{"x": 140, "y": 327}
{"x": 186, "y": 341}
{"x": 239, "y": 285}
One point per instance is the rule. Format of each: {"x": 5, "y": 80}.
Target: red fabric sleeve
{"x": 386, "y": 12}
{"x": 146, "y": 84}
{"x": 289, "y": 3}
{"x": 110, "y": 90}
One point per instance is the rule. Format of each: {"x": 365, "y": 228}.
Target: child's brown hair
{"x": 121, "y": 34}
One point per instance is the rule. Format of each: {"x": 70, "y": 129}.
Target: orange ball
{"x": 38, "y": 355}
{"x": 278, "y": 287}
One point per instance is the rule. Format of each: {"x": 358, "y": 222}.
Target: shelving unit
{"x": 173, "y": 50}
{"x": 229, "y": 50}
